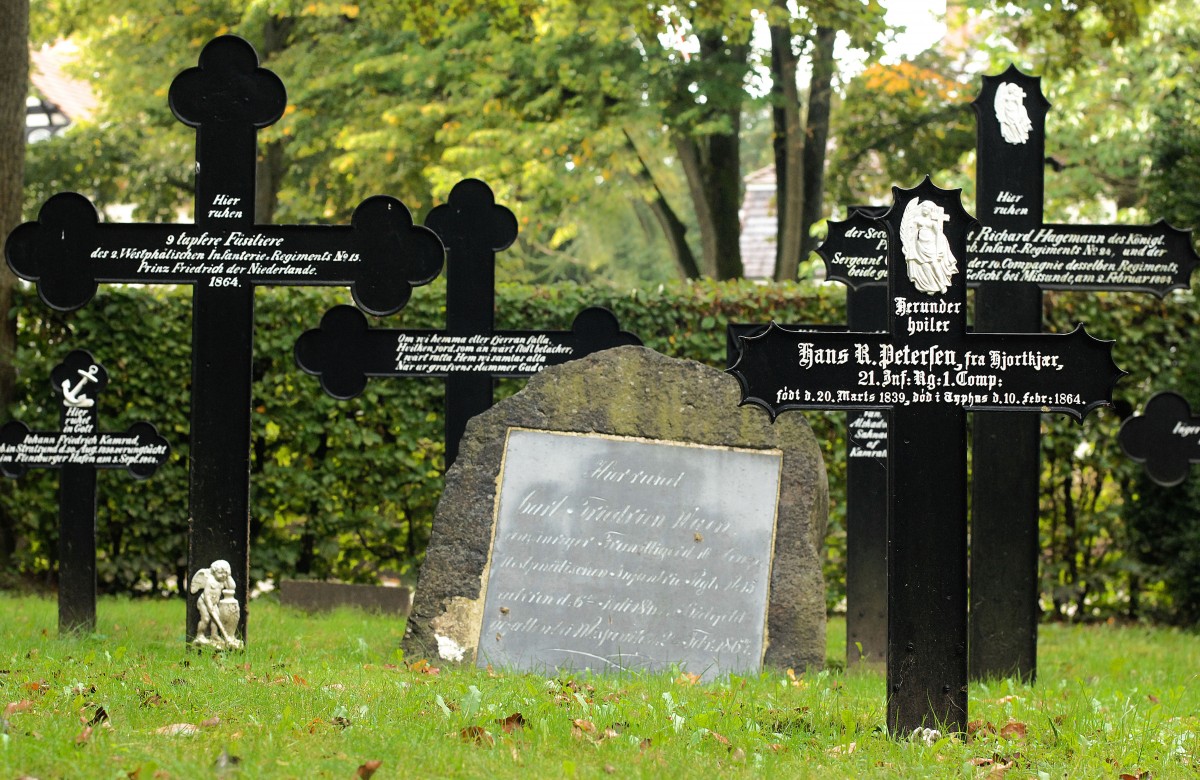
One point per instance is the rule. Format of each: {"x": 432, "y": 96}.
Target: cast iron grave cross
{"x": 1011, "y": 257}
{"x": 928, "y": 371}
{"x": 381, "y": 255}
{"x": 77, "y": 451}
{"x": 866, "y": 443}
{"x": 469, "y": 353}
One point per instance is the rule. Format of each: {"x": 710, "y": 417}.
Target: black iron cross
{"x": 866, "y": 439}
{"x": 1165, "y": 437}
{"x": 381, "y": 255}
{"x": 929, "y": 372}
{"x": 1011, "y": 257}
{"x": 469, "y": 353}
{"x": 77, "y": 451}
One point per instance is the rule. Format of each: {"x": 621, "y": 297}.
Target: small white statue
{"x": 1015, "y": 124}
{"x": 219, "y": 610}
{"x": 930, "y": 261}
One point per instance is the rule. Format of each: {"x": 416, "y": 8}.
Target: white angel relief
{"x": 926, "y": 250}
{"x": 1015, "y": 125}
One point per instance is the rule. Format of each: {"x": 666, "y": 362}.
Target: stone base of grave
{"x": 633, "y": 392}
{"x": 317, "y": 596}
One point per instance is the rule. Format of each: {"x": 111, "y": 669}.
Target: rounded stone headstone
{"x": 636, "y": 395}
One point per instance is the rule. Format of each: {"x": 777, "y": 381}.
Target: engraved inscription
{"x": 437, "y": 353}
{"x": 615, "y": 553}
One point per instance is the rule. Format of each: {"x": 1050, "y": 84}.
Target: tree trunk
{"x": 14, "y": 87}
{"x": 672, "y": 227}
{"x": 820, "y": 91}
{"x": 711, "y": 162}
{"x": 790, "y": 189}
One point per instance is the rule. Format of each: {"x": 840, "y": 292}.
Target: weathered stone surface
{"x": 629, "y": 391}
{"x": 317, "y": 596}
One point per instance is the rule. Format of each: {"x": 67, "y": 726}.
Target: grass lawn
{"x": 331, "y": 696}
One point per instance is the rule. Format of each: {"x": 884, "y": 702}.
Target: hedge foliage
{"x": 348, "y": 489}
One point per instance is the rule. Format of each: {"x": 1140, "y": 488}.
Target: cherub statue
{"x": 219, "y": 611}
{"x": 930, "y": 261}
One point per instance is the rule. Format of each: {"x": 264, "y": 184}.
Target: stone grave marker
{"x": 1011, "y": 256}
{"x": 1165, "y": 437}
{"x": 620, "y": 513}
{"x": 928, "y": 371}
{"x": 470, "y": 353}
{"x": 224, "y": 255}
{"x": 77, "y": 450}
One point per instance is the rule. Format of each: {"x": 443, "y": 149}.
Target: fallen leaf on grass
{"x": 796, "y": 680}
{"x": 153, "y": 700}
{"x": 838, "y": 750}
{"x": 609, "y": 769}
{"x": 1137, "y": 775}
{"x": 579, "y": 727}
{"x": 208, "y": 724}
{"x": 686, "y": 678}
{"x": 422, "y": 666}
{"x": 477, "y": 735}
{"x": 178, "y": 730}
{"x": 38, "y": 686}
{"x": 980, "y": 728}
{"x": 366, "y": 770}
{"x": 647, "y": 742}
{"x": 84, "y": 736}
{"x": 512, "y": 723}
{"x": 1013, "y": 730}
{"x": 738, "y": 756}
{"x": 17, "y": 706}
{"x": 719, "y": 738}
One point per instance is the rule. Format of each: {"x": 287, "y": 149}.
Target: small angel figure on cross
{"x": 930, "y": 261}
{"x": 1015, "y": 124}
{"x": 219, "y": 610}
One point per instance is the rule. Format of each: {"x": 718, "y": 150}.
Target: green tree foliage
{"x": 579, "y": 112}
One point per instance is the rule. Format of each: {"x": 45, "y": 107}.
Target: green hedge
{"x": 347, "y": 489}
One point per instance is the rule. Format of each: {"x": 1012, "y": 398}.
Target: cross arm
{"x": 344, "y": 352}
{"x": 782, "y": 368}
{"x": 1165, "y": 438}
{"x": 141, "y": 450}
{"x": 1155, "y": 258}
{"x": 381, "y": 255}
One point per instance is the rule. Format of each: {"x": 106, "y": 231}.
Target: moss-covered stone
{"x": 629, "y": 391}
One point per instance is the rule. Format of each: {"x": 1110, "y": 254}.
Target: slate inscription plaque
{"x": 616, "y": 553}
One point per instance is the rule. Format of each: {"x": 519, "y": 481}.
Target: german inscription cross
{"x": 929, "y": 372}
{"x": 469, "y": 353}
{"x": 381, "y": 255}
{"x": 77, "y": 451}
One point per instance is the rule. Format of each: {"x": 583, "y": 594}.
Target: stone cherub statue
{"x": 219, "y": 611}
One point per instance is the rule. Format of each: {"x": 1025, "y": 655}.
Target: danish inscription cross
{"x": 928, "y": 371}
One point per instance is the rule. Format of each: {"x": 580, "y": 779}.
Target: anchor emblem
{"x": 72, "y": 394}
